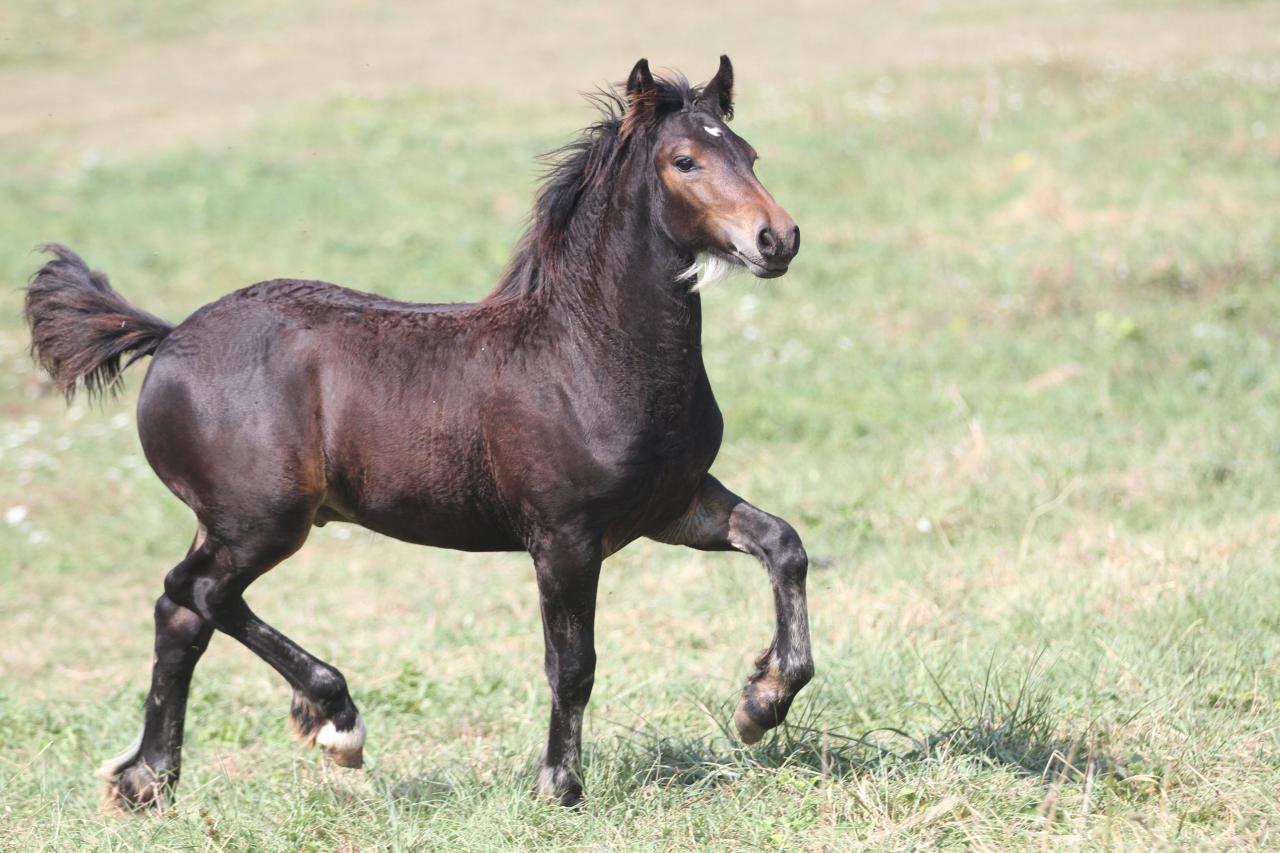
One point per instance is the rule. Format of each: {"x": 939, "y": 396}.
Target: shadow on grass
{"x": 808, "y": 742}
{"x": 1014, "y": 730}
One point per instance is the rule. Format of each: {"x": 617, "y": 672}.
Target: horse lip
{"x": 758, "y": 269}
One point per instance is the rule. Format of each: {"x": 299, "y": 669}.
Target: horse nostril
{"x": 795, "y": 239}
{"x": 766, "y": 242}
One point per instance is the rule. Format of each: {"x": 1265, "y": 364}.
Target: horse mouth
{"x": 757, "y": 266}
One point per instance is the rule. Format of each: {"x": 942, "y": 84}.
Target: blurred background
{"x": 1019, "y": 394}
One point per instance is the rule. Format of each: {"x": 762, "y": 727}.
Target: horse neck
{"x": 618, "y": 281}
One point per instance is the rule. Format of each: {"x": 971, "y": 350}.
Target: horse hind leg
{"x": 145, "y": 774}
{"x": 322, "y": 712}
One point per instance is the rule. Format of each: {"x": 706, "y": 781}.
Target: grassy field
{"x": 1020, "y": 394}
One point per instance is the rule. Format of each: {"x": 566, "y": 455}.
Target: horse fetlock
{"x": 305, "y": 718}
{"x": 799, "y": 674}
{"x": 782, "y": 673}
{"x": 341, "y": 741}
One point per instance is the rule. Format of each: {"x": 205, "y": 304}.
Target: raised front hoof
{"x": 749, "y": 730}
{"x": 344, "y": 747}
{"x": 767, "y": 697}
{"x": 763, "y": 706}
{"x": 135, "y": 787}
{"x": 560, "y": 787}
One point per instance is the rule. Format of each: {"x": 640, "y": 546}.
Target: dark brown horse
{"x": 566, "y": 415}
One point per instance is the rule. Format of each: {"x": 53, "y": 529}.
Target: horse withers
{"x": 566, "y": 415}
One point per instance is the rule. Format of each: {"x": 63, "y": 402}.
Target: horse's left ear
{"x": 717, "y": 95}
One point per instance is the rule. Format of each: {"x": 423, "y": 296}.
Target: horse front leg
{"x": 719, "y": 520}
{"x": 568, "y": 573}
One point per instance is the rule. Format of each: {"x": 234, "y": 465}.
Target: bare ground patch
{"x": 144, "y": 94}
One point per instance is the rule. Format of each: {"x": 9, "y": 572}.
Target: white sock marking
{"x": 350, "y": 741}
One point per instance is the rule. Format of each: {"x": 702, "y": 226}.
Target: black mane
{"x": 574, "y": 171}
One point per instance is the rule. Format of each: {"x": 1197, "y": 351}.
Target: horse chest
{"x": 652, "y": 464}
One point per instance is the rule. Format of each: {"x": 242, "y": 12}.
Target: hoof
{"x": 134, "y": 789}
{"x": 764, "y": 705}
{"x": 559, "y": 786}
{"x": 749, "y": 730}
{"x": 344, "y": 747}
{"x": 132, "y": 785}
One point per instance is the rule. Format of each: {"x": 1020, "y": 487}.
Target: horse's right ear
{"x": 642, "y": 99}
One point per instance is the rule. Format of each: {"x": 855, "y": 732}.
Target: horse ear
{"x": 717, "y": 95}
{"x": 642, "y": 99}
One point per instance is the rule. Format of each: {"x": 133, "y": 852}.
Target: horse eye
{"x": 685, "y": 164}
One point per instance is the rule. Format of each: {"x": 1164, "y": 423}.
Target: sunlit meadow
{"x": 1020, "y": 394}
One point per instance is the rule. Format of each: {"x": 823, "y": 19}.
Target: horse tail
{"x": 81, "y": 328}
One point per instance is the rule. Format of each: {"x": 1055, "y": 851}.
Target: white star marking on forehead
{"x": 714, "y": 131}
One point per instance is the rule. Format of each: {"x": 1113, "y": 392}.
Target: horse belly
{"x": 430, "y": 523}
{"x": 426, "y": 492}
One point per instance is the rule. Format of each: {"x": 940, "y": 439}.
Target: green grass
{"x": 1020, "y": 395}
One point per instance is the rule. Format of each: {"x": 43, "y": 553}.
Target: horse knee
{"x": 784, "y": 552}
